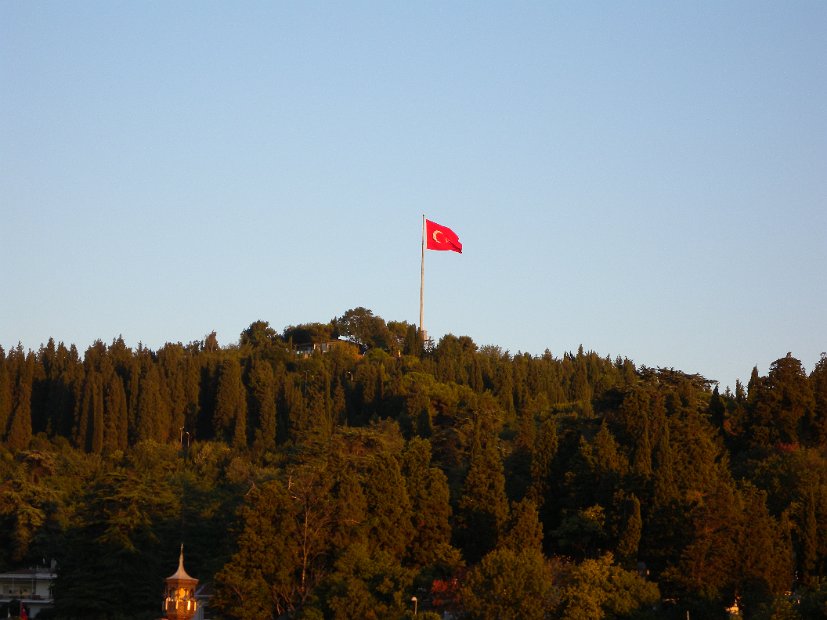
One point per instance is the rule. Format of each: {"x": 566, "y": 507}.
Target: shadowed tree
{"x": 510, "y": 585}
{"x": 261, "y": 579}
{"x": 483, "y": 507}
{"x": 116, "y": 423}
{"x": 20, "y": 425}
{"x": 389, "y": 523}
{"x": 545, "y": 450}
{"x": 513, "y": 581}
{"x": 818, "y": 419}
{"x": 6, "y": 395}
{"x": 430, "y": 508}
{"x": 152, "y": 418}
{"x": 89, "y": 431}
{"x": 629, "y": 541}
{"x": 778, "y": 404}
{"x": 263, "y": 400}
{"x": 599, "y": 589}
{"x": 360, "y": 325}
{"x": 229, "y": 420}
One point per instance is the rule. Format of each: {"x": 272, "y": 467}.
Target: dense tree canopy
{"x": 345, "y": 482}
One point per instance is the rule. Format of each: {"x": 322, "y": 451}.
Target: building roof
{"x": 29, "y": 573}
{"x": 181, "y": 574}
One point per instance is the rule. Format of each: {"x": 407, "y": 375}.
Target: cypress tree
{"x": 642, "y": 463}
{"x": 5, "y": 395}
{"x": 629, "y": 541}
{"x": 153, "y": 420}
{"x": 716, "y": 409}
{"x": 430, "y": 508}
{"x": 389, "y": 522}
{"x": 483, "y": 507}
{"x": 263, "y": 398}
{"x": 524, "y": 531}
{"x": 116, "y": 424}
{"x": 541, "y": 460}
{"x": 817, "y": 422}
{"x": 20, "y": 426}
{"x": 809, "y": 537}
{"x": 230, "y": 402}
{"x": 665, "y": 488}
{"x": 96, "y": 434}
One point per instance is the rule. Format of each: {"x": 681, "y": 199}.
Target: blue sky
{"x": 646, "y": 179}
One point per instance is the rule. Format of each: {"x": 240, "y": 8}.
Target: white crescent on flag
{"x": 441, "y": 237}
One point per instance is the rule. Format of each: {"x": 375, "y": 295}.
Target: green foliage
{"x": 26, "y": 505}
{"x": 259, "y": 336}
{"x": 389, "y": 525}
{"x": 230, "y": 420}
{"x": 366, "y": 477}
{"x": 546, "y": 444}
{"x": 368, "y": 584}
{"x": 262, "y": 578}
{"x": 817, "y": 421}
{"x": 629, "y": 541}
{"x": 20, "y": 422}
{"x": 524, "y": 530}
{"x": 362, "y": 327}
{"x": 430, "y": 507}
{"x": 510, "y": 585}
{"x": 779, "y": 404}
{"x": 483, "y": 506}
{"x": 263, "y": 400}
{"x": 599, "y": 589}
{"x": 123, "y": 525}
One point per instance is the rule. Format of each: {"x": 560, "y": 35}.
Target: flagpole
{"x": 422, "y": 287}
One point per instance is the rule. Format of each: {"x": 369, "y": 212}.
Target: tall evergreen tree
{"x": 231, "y": 403}
{"x": 153, "y": 420}
{"x": 629, "y": 541}
{"x": 260, "y": 581}
{"x": 541, "y": 461}
{"x": 263, "y": 398}
{"x": 389, "y": 523}
{"x": 428, "y": 491}
{"x": 483, "y": 506}
{"x": 89, "y": 411}
{"x": 20, "y": 425}
{"x": 817, "y": 422}
{"x": 116, "y": 425}
{"x": 6, "y": 394}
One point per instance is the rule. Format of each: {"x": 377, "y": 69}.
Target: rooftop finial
{"x": 181, "y": 573}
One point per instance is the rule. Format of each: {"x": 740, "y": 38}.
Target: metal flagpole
{"x": 422, "y": 287}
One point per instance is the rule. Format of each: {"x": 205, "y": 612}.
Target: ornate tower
{"x": 179, "y": 600}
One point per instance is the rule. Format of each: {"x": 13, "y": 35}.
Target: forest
{"x": 346, "y": 470}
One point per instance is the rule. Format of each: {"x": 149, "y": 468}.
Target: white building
{"x": 31, "y": 586}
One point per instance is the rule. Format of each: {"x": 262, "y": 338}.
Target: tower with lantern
{"x": 179, "y": 598}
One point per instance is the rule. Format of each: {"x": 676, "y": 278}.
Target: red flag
{"x": 441, "y": 237}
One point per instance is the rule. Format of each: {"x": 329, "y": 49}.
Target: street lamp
{"x": 415, "y": 601}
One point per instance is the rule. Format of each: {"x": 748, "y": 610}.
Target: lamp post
{"x": 415, "y": 601}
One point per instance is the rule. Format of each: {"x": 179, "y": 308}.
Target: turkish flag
{"x": 441, "y": 237}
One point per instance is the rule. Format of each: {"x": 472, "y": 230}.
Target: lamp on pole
{"x": 415, "y": 602}
{"x": 187, "y": 433}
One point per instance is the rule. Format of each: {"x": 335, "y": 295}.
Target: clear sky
{"x": 647, "y": 179}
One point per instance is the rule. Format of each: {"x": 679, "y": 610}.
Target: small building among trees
{"x": 30, "y": 588}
